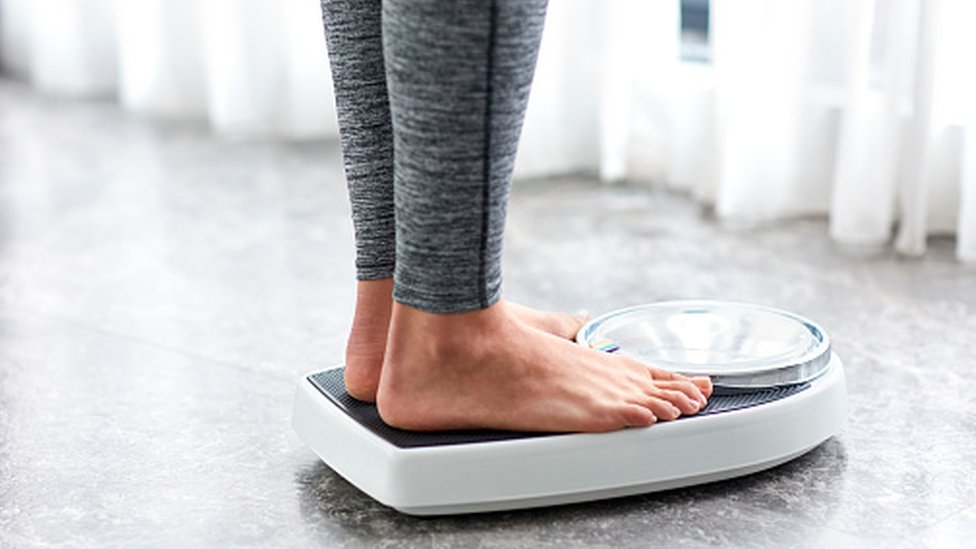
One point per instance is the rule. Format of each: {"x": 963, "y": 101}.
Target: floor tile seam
{"x": 141, "y": 341}
{"x": 948, "y": 517}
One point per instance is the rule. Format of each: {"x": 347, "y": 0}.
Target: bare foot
{"x": 371, "y": 321}
{"x": 563, "y": 325}
{"x": 485, "y": 369}
{"x": 367, "y": 338}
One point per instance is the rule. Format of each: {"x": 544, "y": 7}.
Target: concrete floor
{"x": 161, "y": 291}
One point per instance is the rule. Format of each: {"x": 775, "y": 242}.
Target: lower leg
{"x": 354, "y": 38}
{"x": 456, "y": 356}
{"x": 354, "y": 42}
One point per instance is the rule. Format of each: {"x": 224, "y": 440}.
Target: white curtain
{"x": 864, "y": 110}
{"x": 859, "y": 109}
{"x": 249, "y": 67}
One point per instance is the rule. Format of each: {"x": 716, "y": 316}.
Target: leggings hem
{"x": 420, "y": 302}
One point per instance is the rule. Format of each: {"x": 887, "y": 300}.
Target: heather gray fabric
{"x": 457, "y": 81}
{"x": 355, "y": 44}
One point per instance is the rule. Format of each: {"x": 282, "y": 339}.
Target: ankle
{"x": 374, "y": 299}
{"x": 442, "y": 336}
{"x": 367, "y": 338}
{"x": 371, "y": 317}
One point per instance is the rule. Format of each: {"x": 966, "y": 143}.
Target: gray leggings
{"x": 431, "y": 95}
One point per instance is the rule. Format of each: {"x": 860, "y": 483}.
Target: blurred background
{"x": 176, "y": 251}
{"x": 858, "y": 109}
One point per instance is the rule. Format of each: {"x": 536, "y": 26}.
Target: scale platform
{"x": 758, "y": 418}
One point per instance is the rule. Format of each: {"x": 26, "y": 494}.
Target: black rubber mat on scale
{"x": 330, "y": 384}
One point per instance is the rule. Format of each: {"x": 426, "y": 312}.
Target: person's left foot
{"x": 563, "y": 325}
{"x": 367, "y": 338}
{"x": 371, "y": 322}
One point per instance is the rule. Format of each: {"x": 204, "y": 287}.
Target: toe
{"x": 663, "y": 409}
{"x": 704, "y": 385}
{"x": 685, "y": 403}
{"x": 638, "y": 416}
{"x": 687, "y": 388}
{"x": 699, "y": 387}
{"x": 659, "y": 374}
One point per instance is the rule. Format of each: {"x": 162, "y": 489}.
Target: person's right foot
{"x": 485, "y": 369}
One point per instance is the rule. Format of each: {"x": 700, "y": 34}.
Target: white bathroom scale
{"x": 779, "y": 393}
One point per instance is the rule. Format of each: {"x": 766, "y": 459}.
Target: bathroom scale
{"x": 779, "y": 392}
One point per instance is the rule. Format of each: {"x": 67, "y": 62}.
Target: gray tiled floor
{"x": 160, "y": 291}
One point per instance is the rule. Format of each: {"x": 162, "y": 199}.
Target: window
{"x": 695, "y": 31}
